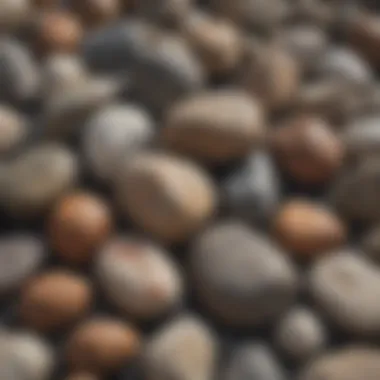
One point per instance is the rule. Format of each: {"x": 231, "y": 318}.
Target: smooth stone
{"x": 21, "y": 255}
{"x": 13, "y": 14}
{"x": 19, "y": 74}
{"x": 348, "y": 363}
{"x": 33, "y": 181}
{"x": 371, "y": 243}
{"x": 346, "y": 286}
{"x": 252, "y": 191}
{"x": 112, "y": 132}
{"x": 240, "y": 277}
{"x": 254, "y": 361}
{"x": 184, "y": 349}
{"x": 139, "y": 277}
{"x": 162, "y": 66}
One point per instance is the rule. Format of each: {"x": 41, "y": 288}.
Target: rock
{"x": 254, "y": 361}
{"x": 183, "y": 349}
{"x": 216, "y": 126}
{"x": 20, "y": 257}
{"x": 300, "y": 334}
{"x": 19, "y": 74}
{"x": 168, "y": 197}
{"x": 82, "y": 376}
{"x": 102, "y": 345}
{"x": 113, "y": 132}
{"x": 252, "y": 191}
{"x": 308, "y": 149}
{"x": 138, "y": 277}
{"x": 32, "y": 182}
{"x": 55, "y": 300}
{"x": 247, "y": 288}
{"x": 308, "y": 229}
{"x": 349, "y": 363}
{"x": 162, "y": 65}
{"x": 79, "y": 224}
{"x": 345, "y": 287}
{"x": 13, "y": 14}
{"x": 371, "y": 243}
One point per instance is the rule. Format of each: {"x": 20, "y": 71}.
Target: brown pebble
{"x": 307, "y": 229}
{"x": 82, "y": 376}
{"x": 54, "y": 300}
{"x": 79, "y": 224}
{"x": 45, "y": 3}
{"x": 102, "y": 345}
{"x": 308, "y": 149}
{"x": 57, "y": 32}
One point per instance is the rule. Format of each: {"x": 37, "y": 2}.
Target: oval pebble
{"x": 247, "y": 288}
{"x": 113, "y": 132}
{"x": 216, "y": 126}
{"x": 21, "y": 255}
{"x": 138, "y": 277}
{"x": 32, "y": 182}
{"x": 346, "y": 287}
{"x": 183, "y": 349}
{"x": 168, "y": 197}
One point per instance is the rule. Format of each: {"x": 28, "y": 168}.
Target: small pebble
{"x": 183, "y": 349}
{"x": 13, "y": 14}
{"x": 253, "y": 361}
{"x": 371, "y": 243}
{"x": 113, "y": 132}
{"x": 45, "y": 4}
{"x": 240, "y": 277}
{"x": 168, "y": 197}
{"x": 82, "y": 376}
{"x": 54, "y": 300}
{"x": 102, "y": 345}
{"x": 21, "y": 255}
{"x": 79, "y": 224}
{"x": 300, "y": 334}
{"x": 33, "y": 181}
{"x": 138, "y": 277}
{"x": 346, "y": 287}
{"x": 307, "y": 229}
{"x": 216, "y": 126}
{"x": 252, "y": 191}
{"x": 308, "y": 149}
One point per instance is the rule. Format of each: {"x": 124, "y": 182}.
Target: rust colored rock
{"x": 307, "y": 229}
{"x": 102, "y": 345}
{"x": 54, "y": 300}
{"x": 308, "y": 149}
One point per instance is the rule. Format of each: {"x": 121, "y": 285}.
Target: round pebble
{"x": 308, "y": 149}
{"x": 33, "y": 181}
{"x": 184, "y": 348}
{"x": 21, "y": 255}
{"x": 102, "y": 345}
{"x": 307, "y": 229}
{"x": 346, "y": 286}
{"x": 252, "y": 190}
{"x": 54, "y": 300}
{"x": 247, "y": 288}
{"x": 216, "y": 127}
{"x": 254, "y": 360}
{"x": 300, "y": 334}
{"x": 138, "y": 277}
{"x": 168, "y": 197}
{"x": 13, "y": 14}
{"x": 80, "y": 223}
{"x": 113, "y": 132}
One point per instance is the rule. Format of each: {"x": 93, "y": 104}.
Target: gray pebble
{"x": 20, "y": 256}
{"x": 346, "y": 287}
{"x": 252, "y": 191}
{"x": 241, "y": 277}
{"x": 349, "y": 363}
{"x": 114, "y": 131}
{"x": 19, "y": 73}
{"x": 161, "y": 65}
{"x": 254, "y": 361}
{"x": 139, "y": 277}
{"x": 33, "y": 181}
{"x": 184, "y": 349}
{"x": 300, "y": 334}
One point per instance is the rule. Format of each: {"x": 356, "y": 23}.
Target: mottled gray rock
{"x": 184, "y": 349}
{"x": 241, "y": 277}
